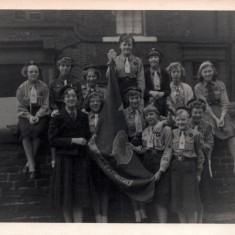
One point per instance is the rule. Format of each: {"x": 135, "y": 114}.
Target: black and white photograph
{"x": 117, "y": 116}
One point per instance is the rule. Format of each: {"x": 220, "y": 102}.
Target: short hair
{"x": 64, "y": 90}
{"x": 92, "y": 69}
{"x": 203, "y": 66}
{"x": 151, "y": 108}
{"x": 65, "y": 60}
{"x": 132, "y": 91}
{"x": 181, "y": 110}
{"x": 154, "y": 51}
{"x": 91, "y": 95}
{"x": 125, "y": 37}
{"x": 24, "y": 70}
{"x": 176, "y": 65}
{"x": 196, "y": 103}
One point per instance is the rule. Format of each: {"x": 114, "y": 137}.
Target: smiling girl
{"x": 129, "y": 68}
{"x": 186, "y": 168}
{"x": 213, "y": 92}
{"x": 181, "y": 92}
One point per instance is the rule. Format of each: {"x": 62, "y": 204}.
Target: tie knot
{"x": 73, "y": 115}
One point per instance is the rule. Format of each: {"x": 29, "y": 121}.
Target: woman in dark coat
{"x": 68, "y": 133}
{"x": 157, "y": 82}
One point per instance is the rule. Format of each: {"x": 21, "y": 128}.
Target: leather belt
{"x": 182, "y": 158}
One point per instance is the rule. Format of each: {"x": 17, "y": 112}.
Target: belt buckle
{"x": 181, "y": 158}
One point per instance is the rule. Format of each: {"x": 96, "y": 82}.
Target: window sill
{"x": 137, "y": 39}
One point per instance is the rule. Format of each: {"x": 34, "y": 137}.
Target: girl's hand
{"x": 221, "y": 122}
{"x": 156, "y": 94}
{"x": 33, "y": 120}
{"x": 198, "y": 177}
{"x": 136, "y": 148}
{"x": 55, "y": 113}
{"x": 79, "y": 141}
{"x": 158, "y": 128}
{"x": 157, "y": 176}
{"x": 217, "y": 121}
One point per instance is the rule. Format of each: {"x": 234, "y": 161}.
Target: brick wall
{"x": 22, "y": 199}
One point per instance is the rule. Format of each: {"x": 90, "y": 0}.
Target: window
{"x": 129, "y": 22}
{"x": 28, "y": 15}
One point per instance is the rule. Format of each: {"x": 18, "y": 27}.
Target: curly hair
{"x": 94, "y": 70}
{"x": 65, "y": 60}
{"x": 175, "y": 65}
{"x": 91, "y": 95}
{"x": 196, "y": 103}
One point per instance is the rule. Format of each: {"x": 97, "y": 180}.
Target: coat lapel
{"x": 68, "y": 119}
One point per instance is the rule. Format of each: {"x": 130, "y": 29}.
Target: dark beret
{"x": 154, "y": 51}
{"x": 64, "y": 88}
{"x": 196, "y": 103}
{"x": 132, "y": 88}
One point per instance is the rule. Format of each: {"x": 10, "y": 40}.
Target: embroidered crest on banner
{"x": 122, "y": 150}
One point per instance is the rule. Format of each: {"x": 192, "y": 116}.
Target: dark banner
{"x": 110, "y": 148}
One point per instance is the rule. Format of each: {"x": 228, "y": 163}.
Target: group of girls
{"x": 168, "y": 127}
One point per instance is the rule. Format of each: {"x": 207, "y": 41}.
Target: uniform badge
{"x": 158, "y": 134}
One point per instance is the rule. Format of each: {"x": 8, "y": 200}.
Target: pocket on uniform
{"x": 175, "y": 144}
{"x": 189, "y": 144}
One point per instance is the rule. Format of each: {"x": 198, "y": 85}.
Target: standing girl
{"x": 197, "y": 108}
{"x": 129, "y": 68}
{"x": 213, "y": 92}
{"x": 157, "y": 156}
{"x": 68, "y": 133}
{"x": 186, "y": 168}
{"x": 157, "y": 82}
{"x": 135, "y": 124}
{"x": 99, "y": 182}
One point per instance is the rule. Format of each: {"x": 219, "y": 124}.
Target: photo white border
{"x": 117, "y": 229}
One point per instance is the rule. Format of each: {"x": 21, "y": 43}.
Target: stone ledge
{"x": 8, "y": 135}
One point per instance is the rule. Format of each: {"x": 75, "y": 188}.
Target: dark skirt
{"x": 184, "y": 186}
{"x": 205, "y": 183}
{"x": 151, "y": 161}
{"x": 99, "y": 182}
{"x": 36, "y": 130}
{"x": 228, "y": 129}
{"x": 70, "y": 185}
